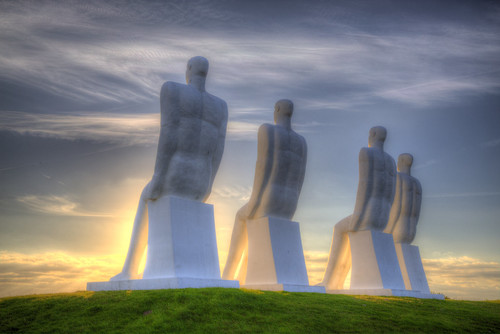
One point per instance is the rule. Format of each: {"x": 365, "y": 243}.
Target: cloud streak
{"x": 56, "y": 205}
{"x": 22, "y": 274}
{"x": 124, "y": 129}
{"x": 464, "y": 277}
{"x": 119, "y": 68}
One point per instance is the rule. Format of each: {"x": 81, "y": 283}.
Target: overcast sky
{"x": 79, "y": 121}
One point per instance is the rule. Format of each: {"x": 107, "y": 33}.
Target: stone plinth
{"x": 275, "y": 257}
{"x": 412, "y": 268}
{"x": 374, "y": 261}
{"x": 376, "y": 268}
{"x": 182, "y": 249}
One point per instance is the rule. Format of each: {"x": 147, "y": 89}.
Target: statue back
{"x": 377, "y": 178}
{"x": 193, "y": 123}
{"x": 281, "y": 195}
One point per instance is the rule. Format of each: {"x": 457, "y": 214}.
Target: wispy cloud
{"x": 239, "y": 130}
{"x": 86, "y": 55}
{"x": 464, "y": 277}
{"x": 123, "y": 129}
{"x": 22, "y": 274}
{"x": 465, "y": 194}
{"x": 237, "y": 192}
{"x": 56, "y": 205}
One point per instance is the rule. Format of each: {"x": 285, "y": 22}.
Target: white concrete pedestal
{"x": 412, "y": 268}
{"x": 182, "y": 249}
{"x": 376, "y": 267}
{"x": 374, "y": 261}
{"x": 275, "y": 257}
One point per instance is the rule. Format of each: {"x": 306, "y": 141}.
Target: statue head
{"x": 377, "y": 137}
{"x": 197, "y": 68}
{"x": 283, "y": 110}
{"x": 405, "y": 161}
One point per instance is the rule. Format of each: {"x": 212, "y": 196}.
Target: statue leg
{"x": 138, "y": 242}
{"x": 237, "y": 247}
{"x": 339, "y": 260}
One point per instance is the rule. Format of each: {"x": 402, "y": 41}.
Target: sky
{"x": 79, "y": 123}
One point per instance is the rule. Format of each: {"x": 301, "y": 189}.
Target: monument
{"x": 359, "y": 243}
{"x": 402, "y": 224}
{"x": 358, "y": 240}
{"x": 266, "y": 248}
{"x": 172, "y": 219}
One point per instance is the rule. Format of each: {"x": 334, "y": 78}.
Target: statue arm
{"x": 219, "y": 150}
{"x": 417, "y": 203}
{"x": 238, "y": 245}
{"x": 396, "y": 207}
{"x": 263, "y": 167}
{"x": 304, "y": 163}
{"x": 167, "y": 139}
{"x": 364, "y": 188}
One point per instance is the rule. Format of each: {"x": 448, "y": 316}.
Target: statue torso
{"x": 191, "y": 120}
{"x": 377, "y": 185}
{"x": 282, "y": 192}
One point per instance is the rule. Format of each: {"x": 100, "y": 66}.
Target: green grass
{"x": 241, "y": 311}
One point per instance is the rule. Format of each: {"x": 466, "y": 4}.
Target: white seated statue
{"x": 402, "y": 224}
{"x": 190, "y": 147}
{"x": 377, "y": 179}
{"x": 279, "y": 174}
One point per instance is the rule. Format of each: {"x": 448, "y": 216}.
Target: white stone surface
{"x": 374, "y": 261}
{"x": 190, "y": 147}
{"x": 275, "y": 256}
{"x": 377, "y": 179}
{"x": 403, "y": 220}
{"x": 181, "y": 240}
{"x": 182, "y": 249}
{"x": 279, "y": 174}
{"x": 275, "y": 252}
{"x": 405, "y": 210}
{"x": 412, "y": 268}
{"x": 161, "y": 283}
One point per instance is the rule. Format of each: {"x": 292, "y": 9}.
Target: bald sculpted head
{"x": 405, "y": 161}
{"x": 283, "y": 110}
{"x": 377, "y": 137}
{"x": 197, "y": 68}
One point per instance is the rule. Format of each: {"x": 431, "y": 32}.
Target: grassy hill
{"x": 218, "y": 310}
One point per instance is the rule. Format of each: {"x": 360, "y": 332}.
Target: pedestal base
{"x": 387, "y": 292}
{"x": 182, "y": 249}
{"x": 181, "y": 240}
{"x": 161, "y": 283}
{"x": 374, "y": 261}
{"x": 285, "y": 287}
{"x": 275, "y": 254}
{"x": 412, "y": 268}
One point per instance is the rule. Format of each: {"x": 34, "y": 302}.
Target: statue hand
{"x": 152, "y": 191}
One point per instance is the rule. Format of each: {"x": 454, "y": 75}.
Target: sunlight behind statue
{"x": 377, "y": 178}
{"x": 190, "y": 147}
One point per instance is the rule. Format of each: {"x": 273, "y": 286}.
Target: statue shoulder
{"x": 265, "y": 131}
{"x": 300, "y": 138}
{"x": 365, "y": 153}
{"x": 218, "y": 101}
{"x": 266, "y": 127}
{"x": 171, "y": 88}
